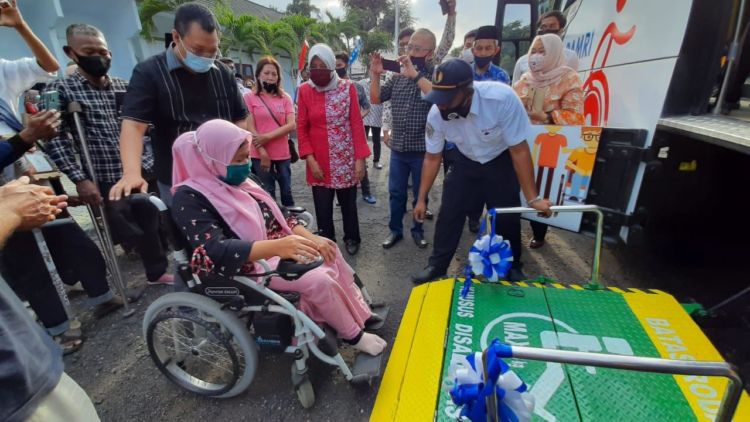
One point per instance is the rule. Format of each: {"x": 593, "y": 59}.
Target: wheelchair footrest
{"x": 382, "y": 311}
{"x": 366, "y": 368}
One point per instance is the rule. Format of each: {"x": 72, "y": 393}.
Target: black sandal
{"x": 70, "y": 343}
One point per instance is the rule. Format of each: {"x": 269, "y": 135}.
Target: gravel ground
{"x": 115, "y": 369}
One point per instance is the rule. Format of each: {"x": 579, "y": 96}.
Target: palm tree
{"x": 147, "y": 9}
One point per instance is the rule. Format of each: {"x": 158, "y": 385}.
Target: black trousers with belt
{"x": 467, "y": 183}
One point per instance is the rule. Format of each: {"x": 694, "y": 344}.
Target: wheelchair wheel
{"x": 199, "y": 346}
{"x": 305, "y": 393}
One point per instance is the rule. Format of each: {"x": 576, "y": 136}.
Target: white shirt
{"x": 496, "y": 121}
{"x": 17, "y": 76}
{"x": 522, "y": 65}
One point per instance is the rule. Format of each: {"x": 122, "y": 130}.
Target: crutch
{"x": 52, "y": 269}
{"x": 98, "y": 216}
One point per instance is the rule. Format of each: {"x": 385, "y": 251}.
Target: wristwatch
{"x": 418, "y": 77}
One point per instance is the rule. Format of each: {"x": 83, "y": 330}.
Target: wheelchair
{"x": 207, "y": 339}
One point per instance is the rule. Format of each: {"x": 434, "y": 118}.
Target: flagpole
{"x": 395, "y": 34}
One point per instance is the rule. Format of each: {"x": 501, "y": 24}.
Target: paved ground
{"x": 116, "y": 371}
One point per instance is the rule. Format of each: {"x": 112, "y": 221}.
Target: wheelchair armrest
{"x": 290, "y": 269}
{"x": 296, "y": 210}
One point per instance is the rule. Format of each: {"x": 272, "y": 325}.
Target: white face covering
{"x": 536, "y": 61}
{"x": 467, "y": 55}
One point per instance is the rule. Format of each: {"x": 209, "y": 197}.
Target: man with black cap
{"x": 486, "y": 46}
{"x": 488, "y": 124}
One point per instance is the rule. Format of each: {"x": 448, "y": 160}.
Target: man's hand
{"x": 543, "y": 206}
{"x": 127, "y": 184}
{"x": 376, "y": 64}
{"x": 387, "y": 139}
{"x": 451, "y": 7}
{"x": 420, "y": 210}
{"x": 317, "y": 172}
{"x": 88, "y": 193}
{"x": 359, "y": 169}
{"x": 41, "y": 126}
{"x": 11, "y": 16}
{"x": 32, "y": 205}
{"x": 408, "y": 68}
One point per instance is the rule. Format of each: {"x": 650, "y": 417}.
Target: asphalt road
{"x": 114, "y": 367}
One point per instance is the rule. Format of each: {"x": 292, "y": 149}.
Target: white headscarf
{"x": 324, "y": 53}
{"x": 553, "y": 66}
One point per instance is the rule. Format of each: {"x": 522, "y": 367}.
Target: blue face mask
{"x": 236, "y": 173}
{"x": 196, "y": 63}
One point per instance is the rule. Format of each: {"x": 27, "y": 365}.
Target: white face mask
{"x": 467, "y": 55}
{"x": 535, "y": 62}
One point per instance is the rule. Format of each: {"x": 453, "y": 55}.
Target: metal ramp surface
{"x": 438, "y": 327}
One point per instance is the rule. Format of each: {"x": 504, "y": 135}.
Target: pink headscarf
{"x": 553, "y": 66}
{"x": 200, "y": 157}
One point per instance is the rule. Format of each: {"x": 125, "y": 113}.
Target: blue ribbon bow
{"x": 490, "y": 256}
{"x": 474, "y": 392}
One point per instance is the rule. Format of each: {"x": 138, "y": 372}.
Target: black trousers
{"x": 466, "y": 184}
{"x": 76, "y": 257}
{"x": 475, "y": 212}
{"x": 323, "y": 200}
{"x": 138, "y": 225}
{"x": 375, "y": 141}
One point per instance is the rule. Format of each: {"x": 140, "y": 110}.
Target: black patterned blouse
{"x": 215, "y": 246}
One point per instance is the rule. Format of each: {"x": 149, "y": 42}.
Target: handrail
{"x": 594, "y": 282}
{"x": 729, "y": 401}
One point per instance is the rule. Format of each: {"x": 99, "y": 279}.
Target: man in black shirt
{"x": 176, "y": 91}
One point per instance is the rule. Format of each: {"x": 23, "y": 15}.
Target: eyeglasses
{"x": 417, "y": 49}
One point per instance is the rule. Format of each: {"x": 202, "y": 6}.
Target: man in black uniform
{"x": 487, "y": 123}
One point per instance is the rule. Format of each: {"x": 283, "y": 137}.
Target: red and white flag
{"x": 303, "y": 55}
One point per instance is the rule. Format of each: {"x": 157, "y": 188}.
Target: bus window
{"x": 517, "y": 22}
{"x": 545, "y": 6}
{"x": 508, "y": 56}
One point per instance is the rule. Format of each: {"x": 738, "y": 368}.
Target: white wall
{"x": 117, "y": 19}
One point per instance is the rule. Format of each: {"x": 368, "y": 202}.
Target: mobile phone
{"x": 391, "y": 65}
{"x": 537, "y": 100}
{"x": 444, "y": 6}
{"x": 50, "y": 100}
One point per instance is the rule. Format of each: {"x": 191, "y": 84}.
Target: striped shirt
{"x": 175, "y": 100}
{"x": 101, "y": 123}
{"x": 375, "y": 117}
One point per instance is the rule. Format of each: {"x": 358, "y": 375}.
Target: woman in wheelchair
{"x": 230, "y": 222}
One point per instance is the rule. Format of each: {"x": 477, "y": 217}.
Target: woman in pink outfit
{"x": 231, "y": 222}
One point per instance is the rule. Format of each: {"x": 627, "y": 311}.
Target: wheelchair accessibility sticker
{"x": 599, "y": 322}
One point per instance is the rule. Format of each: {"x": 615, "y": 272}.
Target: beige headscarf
{"x": 553, "y": 66}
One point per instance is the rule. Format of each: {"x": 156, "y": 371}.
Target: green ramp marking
{"x": 602, "y": 322}
{"x": 515, "y": 315}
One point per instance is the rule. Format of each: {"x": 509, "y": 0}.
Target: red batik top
{"x": 330, "y": 127}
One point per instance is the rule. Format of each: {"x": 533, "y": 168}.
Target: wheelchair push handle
{"x": 594, "y": 281}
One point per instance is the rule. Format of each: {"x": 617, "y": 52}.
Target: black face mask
{"x": 418, "y": 62}
{"x": 269, "y": 87}
{"x": 481, "y": 62}
{"x": 462, "y": 110}
{"x": 341, "y": 72}
{"x": 548, "y": 31}
{"x": 96, "y": 66}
